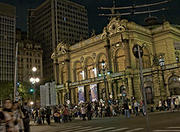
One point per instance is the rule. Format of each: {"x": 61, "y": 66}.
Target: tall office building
{"x": 56, "y": 21}
{"x": 7, "y": 41}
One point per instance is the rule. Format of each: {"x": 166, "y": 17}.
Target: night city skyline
{"x": 92, "y": 6}
{"x": 89, "y": 65}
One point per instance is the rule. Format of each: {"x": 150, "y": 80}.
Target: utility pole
{"x": 15, "y": 74}
{"x": 114, "y": 10}
{"x": 138, "y": 53}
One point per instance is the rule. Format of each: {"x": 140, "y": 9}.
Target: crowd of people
{"x": 89, "y": 110}
{"x": 15, "y": 117}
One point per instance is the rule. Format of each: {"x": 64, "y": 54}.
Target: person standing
{"x": 26, "y": 119}
{"x": 83, "y": 112}
{"x": 43, "y": 115}
{"x": 48, "y": 114}
{"x": 126, "y": 109}
{"x": 2, "y": 122}
{"x": 177, "y": 103}
{"x": 65, "y": 114}
{"x": 17, "y": 117}
{"x": 136, "y": 107}
{"x": 8, "y": 114}
{"x": 89, "y": 111}
{"x": 172, "y": 105}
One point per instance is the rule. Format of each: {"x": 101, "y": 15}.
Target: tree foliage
{"x": 6, "y": 90}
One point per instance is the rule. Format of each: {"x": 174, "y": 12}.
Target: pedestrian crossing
{"x": 168, "y": 129}
{"x": 90, "y": 128}
{"x": 99, "y": 129}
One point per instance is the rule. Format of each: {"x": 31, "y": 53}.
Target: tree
{"x": 6, "y": 89}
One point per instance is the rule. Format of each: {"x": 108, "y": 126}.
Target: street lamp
{"x": 161, "y": 64}
{"x": 34, "y": 69}
{"x": 31, "y": 103}
{"x": 34, "y": 80}
{"x": 104, "y": 77}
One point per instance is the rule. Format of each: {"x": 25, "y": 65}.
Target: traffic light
{"x": 31, "y": 90}
{"x": 17, "y": 84}
{"x": 135, "y": 50}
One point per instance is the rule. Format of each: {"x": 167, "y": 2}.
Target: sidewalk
{"x": 97, "y": 118}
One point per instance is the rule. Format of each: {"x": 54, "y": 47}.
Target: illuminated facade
{"x": 107, "y": 60}
{"x": 29, "y": 56}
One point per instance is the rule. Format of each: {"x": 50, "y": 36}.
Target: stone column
{"x": 76, "y": 95}
{"x": 137, "y": 88}
{"x": 57, "y": 97}
{"x": 60, "y": 97}
{"x": 109, "y": 81}
{"x": 72, "y": 96}
{"x": 115, "y": 89}
{"x": 63, "y": 95}
{"x": 130, "y": 91}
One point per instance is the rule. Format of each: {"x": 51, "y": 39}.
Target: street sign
{"x": 17, "y": 93}
{"x": 17, "y": 99}
{"x": 135, "y": 50}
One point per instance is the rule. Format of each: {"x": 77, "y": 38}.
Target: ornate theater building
{"x": 104, "y": 66}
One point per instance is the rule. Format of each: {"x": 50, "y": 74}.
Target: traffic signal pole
{"x": 143, "y": 89}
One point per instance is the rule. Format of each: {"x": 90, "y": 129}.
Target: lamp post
{"x": 34, "y": 80}
{"x": 104, "y": 78}
{"x": 161, "y": 64}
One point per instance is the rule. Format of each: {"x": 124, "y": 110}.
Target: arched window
{"x": 90, "y": 68}
{"x": 78, "y": 72}
{"x": 100, "y": 66}
{"x": 174, "y": 85}
{"x": 149, "y": 95}
{"x": 120, "y": 59}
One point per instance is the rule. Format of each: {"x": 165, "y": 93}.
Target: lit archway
{"x": 78, "y": 71}
{"x": 174, "y": 85}
{"x": 101, "y": 57}
{"x": 90, "y": 68}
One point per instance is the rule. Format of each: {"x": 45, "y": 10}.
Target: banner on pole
{"x": 81, "y": 93}
{"x": 94, "y": 96}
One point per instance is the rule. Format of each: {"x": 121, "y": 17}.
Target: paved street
{"x": 159, "y": 122}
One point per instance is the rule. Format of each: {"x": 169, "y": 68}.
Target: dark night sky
{"x": 98, "y": 22}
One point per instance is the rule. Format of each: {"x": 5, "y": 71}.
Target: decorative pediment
{"x": 115, "y": 26}
{"x": 52, "y": 56}
{"x": 62, "y": 48}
